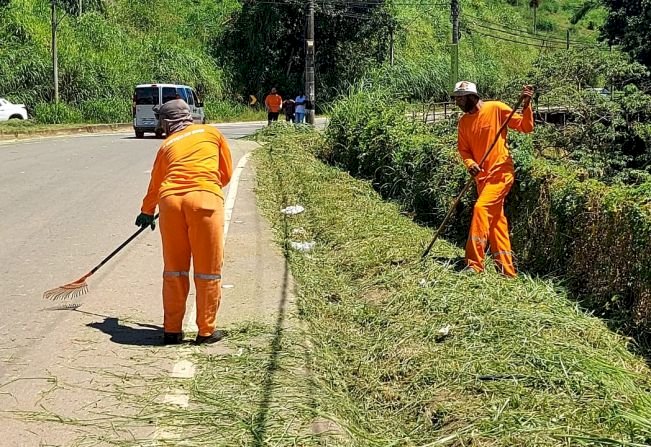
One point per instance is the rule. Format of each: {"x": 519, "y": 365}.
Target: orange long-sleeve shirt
{"x": 477, "y": 132}
{"x": 273, "y": 102}
{"x": 197, "y": 158}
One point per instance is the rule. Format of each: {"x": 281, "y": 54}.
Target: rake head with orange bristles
{"x": 68, "y": 291}
{"x": 79, "y": 287}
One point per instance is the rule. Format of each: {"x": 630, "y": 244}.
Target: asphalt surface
{"x": 66, "y": 203}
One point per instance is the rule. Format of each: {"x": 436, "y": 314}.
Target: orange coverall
{"x": 190, "y": 169}
{"x": 489, "y": 226}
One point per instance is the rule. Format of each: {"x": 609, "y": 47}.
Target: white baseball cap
{"x": 463, "y": 88}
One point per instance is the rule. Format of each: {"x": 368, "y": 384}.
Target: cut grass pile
{"x": 410, "y": 354}
{"x": 252, "y": 389}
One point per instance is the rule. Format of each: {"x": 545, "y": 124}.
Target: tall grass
{"x": 104, "y": 53}
{"x": 416, "y": 354}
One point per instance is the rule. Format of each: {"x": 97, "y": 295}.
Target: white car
{"x": 9, "y": 111}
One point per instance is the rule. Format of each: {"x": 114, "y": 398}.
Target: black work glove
{"x": 146, "y": 220}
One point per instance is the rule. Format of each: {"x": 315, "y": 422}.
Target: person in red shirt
{"x": 192, "y": 166}
{"x": 273, "y": 103}
{"x": 477, "y": 130}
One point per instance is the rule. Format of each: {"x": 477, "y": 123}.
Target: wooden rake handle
{"x": 469, "y": 183}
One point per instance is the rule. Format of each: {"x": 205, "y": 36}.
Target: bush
{"x": 228, "y": 110}
{"x": 106, "y": 111}
{"x": 597, "y": 237}
{"x": 60, "y": 113}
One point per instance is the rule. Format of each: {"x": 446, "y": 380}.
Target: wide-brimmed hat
{"x": 463, "y": 88}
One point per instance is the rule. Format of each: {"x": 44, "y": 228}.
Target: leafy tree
{"x": 609, "y": 135}
{"x": 627, "y": 24}
{"x": 263, "y": 45}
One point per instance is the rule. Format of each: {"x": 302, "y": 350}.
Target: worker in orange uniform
{"x": 192, "y": 166}
{"x": 477, "y": 130}
{"x": 273, "y": 103}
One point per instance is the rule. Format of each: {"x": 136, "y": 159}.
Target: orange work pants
{"x": 489, "y": 225}
{"x": 192, "y": 226}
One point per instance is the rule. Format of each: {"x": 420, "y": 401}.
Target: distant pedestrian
{"x": 273, "y": 103}
{"x": 289, "y": 107}
{"x": 301, "y": 102}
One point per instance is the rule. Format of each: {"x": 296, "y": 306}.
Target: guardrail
{"x": 433, "y": 112}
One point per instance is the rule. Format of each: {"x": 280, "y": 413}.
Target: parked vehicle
{"x": 9, "y": 111}
{"x": 148, "y": 96}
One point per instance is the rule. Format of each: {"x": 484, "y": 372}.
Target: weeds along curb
{"x": 423, "y": 355}
{"x": 74, "y": 130}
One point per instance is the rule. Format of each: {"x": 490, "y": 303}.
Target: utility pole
{"x": 567, "y": 38}
{"x": 454, "y": 48}
{"x": 80, "y": 6}
{"x": 391, "y": 44}
{"x": 534, "y": 4}
{"x": 55, "y": 62}
{"x": 309, "y": 64}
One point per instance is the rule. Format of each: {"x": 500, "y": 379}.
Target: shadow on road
{"x": 141, "y": 335}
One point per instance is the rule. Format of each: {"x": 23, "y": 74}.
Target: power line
{"x": 539, "y": 39}
{"x": 541, "y": 45}
{"x": 538, "y": 36}
{"x": 502, "y": 26}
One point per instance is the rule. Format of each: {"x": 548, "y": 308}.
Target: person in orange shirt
{"x": 192, "y": 166}
{"x": 477, "y": 130}
{"x": 273, "y": 103}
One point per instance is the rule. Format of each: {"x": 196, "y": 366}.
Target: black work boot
{"x": 209, "y": 339}
{"x": 172, "y": 338}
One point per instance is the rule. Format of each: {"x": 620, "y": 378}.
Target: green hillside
{"x": 497, "y": 41}
{"x": 228, "y": 50}
{"x": 108, "y": 49}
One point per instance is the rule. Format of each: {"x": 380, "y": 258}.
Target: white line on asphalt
{"x": 178, "y": 398}
{"x": 183, "y": 369}
{"x": 232, "y": 192}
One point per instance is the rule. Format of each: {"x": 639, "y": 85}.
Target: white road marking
{"x": 183, "y": 369}
{"x": 232, "y": 192}
{"x": 177, "y": 397}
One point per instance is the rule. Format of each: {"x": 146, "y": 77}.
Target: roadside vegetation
{"x": 405, "y": 353}
{"x": 382, "y": 349}
{"x": 582, "y": 188}
{"x": 229, "y": 50}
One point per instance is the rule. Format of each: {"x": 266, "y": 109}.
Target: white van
{"x": 147, "y": 96}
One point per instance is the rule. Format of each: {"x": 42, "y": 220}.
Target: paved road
{"x": 65, "y": 204}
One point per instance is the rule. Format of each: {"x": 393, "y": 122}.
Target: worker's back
{"x": 196, "y": 158}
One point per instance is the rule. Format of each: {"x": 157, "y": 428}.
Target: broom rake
{"x": 469, "y": 183}
{"x": 80, "y": 287}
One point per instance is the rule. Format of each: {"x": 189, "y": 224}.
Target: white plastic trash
{"x": 444, "y": 331}
{"x": 292, "y": 210}
{"x": 302, "y": 246}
